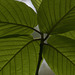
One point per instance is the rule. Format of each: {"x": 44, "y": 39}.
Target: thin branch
{"x": 40, "y": 55}
{"x": 46, "y": 37}
{"x": 23, "y": 26}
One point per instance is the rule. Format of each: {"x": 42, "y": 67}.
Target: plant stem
{"x": 46, "y": 37}
{"x": 40, "y": 55}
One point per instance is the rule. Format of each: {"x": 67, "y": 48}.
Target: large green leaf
{"x": 16, "y": 18}
{"x": 56, "y": 16}
{"x": 60, "y": 55}
{"x": 18, "y": 50}
{"x": 36, "y": 3}
{"x": 18, "y": 55}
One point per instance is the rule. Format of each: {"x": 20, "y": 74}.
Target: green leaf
{"x": 16, "y": 18}
{"x": 70, "y": 34}
{"x": 36, "y": 3}
{"x": 60, "y": 54}
{"x": 56, "y": 16}
{"x": 18, "y": 50}
{"x": 18, "y": 55}
{"x": 9, "y": 46}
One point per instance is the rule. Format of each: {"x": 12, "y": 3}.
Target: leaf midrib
{"x": 60, "y": 52}
{"x": 61, "y": 20}
{"x": 17, "y": 24}
{"x": 22, "y": 26}
{"x": 19, "y": 51}
{"x": 58, "y": 23}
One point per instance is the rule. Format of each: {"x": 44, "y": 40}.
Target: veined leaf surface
{"x": 18, "y": 50}
{"x": 56, "y": 16}
{"x": 9, "y": 46}
{"x": 16, "y": 18}
{"x": 60, "y": 55}
{"x": 36, "y": 3}
{"x": 70, "y": 34}
{"x": 18, "y": 55}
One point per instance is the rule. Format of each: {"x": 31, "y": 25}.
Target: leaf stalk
{"x": 40, "y": 54}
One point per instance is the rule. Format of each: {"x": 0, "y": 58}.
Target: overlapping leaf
{"x": 18, "y": 54}
{"x": 16, "y": 18}
{"x": 36, "y": 3}
{"x": 56, "y": 16}
{"x": 60, "y": 54}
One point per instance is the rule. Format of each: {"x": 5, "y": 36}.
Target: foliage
{"x": 20, "y": 53}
